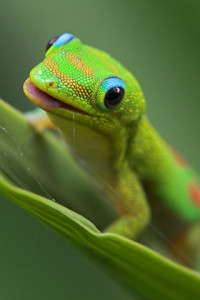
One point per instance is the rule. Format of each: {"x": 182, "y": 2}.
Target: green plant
{"x": 36, "y": 169}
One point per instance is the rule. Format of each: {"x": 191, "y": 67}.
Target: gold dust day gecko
{"x": 81, "y": 84}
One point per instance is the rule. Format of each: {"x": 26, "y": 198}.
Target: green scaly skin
{"x": 118, "y": 144}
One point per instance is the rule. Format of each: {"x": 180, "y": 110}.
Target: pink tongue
{"x": 40, "y": 98}
{"x": 46, "y": 101}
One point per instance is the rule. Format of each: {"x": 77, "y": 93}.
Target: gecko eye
{"x": 60, "y": 40}
{"x": 113, "y": 97}
{"x": 110, "y": 93}
{"x": 51, "y": 42}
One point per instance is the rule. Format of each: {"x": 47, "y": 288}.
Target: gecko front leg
{"x": 129, "y": 198}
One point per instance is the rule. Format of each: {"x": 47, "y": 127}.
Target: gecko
{"x": 78, "y": 85}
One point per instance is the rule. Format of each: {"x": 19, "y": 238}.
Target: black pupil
{"x": 113, "y": 97}
{"x": 51, "y": 42}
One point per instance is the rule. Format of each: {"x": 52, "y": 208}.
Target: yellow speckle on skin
{"x": 115, "y": 70}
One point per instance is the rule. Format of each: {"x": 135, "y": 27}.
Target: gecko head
{"x": 75, "y": 79}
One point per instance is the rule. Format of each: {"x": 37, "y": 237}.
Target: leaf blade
{"x": 134, "y": 265}
{"x": 145, "y": 273}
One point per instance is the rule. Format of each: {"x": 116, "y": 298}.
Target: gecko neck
{"x": 101, "y": 153}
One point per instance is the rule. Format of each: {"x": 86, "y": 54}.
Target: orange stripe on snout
{"x": 79, "y": 64}
{"x": 68, "y": 81}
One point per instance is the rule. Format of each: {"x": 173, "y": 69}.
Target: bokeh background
{"x": 159, "y": 41}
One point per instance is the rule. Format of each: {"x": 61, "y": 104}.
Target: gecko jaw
{"x": 45, "y": 101}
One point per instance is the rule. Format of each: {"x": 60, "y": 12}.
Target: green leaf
{"x": 23, "y": 155}
{"x": 40, "y": 162}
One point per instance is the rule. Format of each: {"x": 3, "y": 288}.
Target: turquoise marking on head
{"x": 111, "y": 82}
{"x": 63, "y": 39}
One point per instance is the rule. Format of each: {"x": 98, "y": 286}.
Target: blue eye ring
{"x": 110, "y": 93}
{"x": 60, "y": 40}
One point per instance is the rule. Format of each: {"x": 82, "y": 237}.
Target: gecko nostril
{"x": 52, "y": 84}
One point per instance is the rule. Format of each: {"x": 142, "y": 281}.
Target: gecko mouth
{"x": 45, "y": 101}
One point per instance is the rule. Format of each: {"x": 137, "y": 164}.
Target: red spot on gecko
{"x": 179, "y": 159}
{"x": 194, "y": 191}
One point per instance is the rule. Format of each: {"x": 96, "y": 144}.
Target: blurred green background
{"x": 159, "y": 42}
